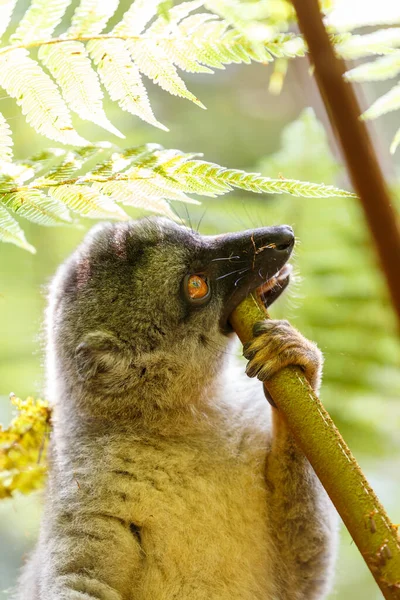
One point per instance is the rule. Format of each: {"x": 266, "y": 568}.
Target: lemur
{"x": 170, "y": 475}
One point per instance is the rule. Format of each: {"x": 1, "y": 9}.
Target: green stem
{"x": 362, "y": 513}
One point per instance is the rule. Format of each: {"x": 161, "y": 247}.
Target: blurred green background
{"x": 339, "y": 298}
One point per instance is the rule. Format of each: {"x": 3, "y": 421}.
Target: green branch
{"x": 362, "y": 513}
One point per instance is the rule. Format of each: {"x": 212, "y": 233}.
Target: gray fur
{"x": 170, "y": 475}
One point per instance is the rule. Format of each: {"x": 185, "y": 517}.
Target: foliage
{"x": 386, "y": 67}
{"x": 52, "y": 74}
{"x": 91, "y": 181}
{"x": 23, "y": 448}
{"x": 343, "y": 304}
{"x": 152, "y": 38}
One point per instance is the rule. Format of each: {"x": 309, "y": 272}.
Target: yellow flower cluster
{"x": 23, "y": 447}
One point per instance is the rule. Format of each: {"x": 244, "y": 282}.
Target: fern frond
{"x": 91, "y": 16}
{"x": 386, "y": 103}
{"x": 35, "y": 206}
{"x": 11, "y": 232}
{"x": 93, "y": 180}
{"x": 200, "y": 177}
{"x": 40, "y": 20}
{"x": 122, "y": 80}
{"x": 5, "y": 140}
{"x": 152, "y": 38}
{"x": 395, "y": 142}
{"x": 70, "y": 66}
{"x": 380, "y": 69}
{"x": 38, "y": 97}
{"x": 88, "y": 202}
{"x": 6, "y": 11}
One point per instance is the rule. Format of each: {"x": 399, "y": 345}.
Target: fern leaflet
{"x": 35, "y": 205}
{"x": 136, "y": 17}
{"x": 38, "y": 96}
{"x": 40, "y": 20}
{"x": 386, "y": 103}
{"x": 70, "y": 65}
{"x": 380, "y": 69}
{"x": 11, "y": 232}
{"x": 91, "y": 16}
{"x": 87, "y": 202}
{"x": 121, "y": 78}
{"x": 5, "y": 140}
{"x": 395, "y": 142}
{"x": 383, "y": 41}
{"x": 6, "y": 11}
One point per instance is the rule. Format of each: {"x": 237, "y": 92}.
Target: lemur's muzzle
{"x": 253, "y": 260}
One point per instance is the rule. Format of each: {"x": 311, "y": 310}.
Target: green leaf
{"x": 383, "y": 41}
{"x": 5, "y": 140}
{"x": 136, "y": 17}
{"x": 121, "y": 78}
{"x": 91, "y": 16}
{"x": 6, "y": 11}
{"x": 168, "y": 19}
{"x": 36, "y": 206}
{"x": 88, "y": 202}
{"x": 38, "y": 97}
{"x": 126, "y": 194}
{"x": 146, "y": 177}
{"x": 395, "y": 142}
{"x": 386, "y": 103}
{"x": 151, "y": 60}
{"x": 380, "y": 69}
{"x": 70, "y": 65}
{"x": 11, "y": 232}
{"x": 40, "y": 20}
{"x": 164, "y": 9}
{"x": 205, "y": 178}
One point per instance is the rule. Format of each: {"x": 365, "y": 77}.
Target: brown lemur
{"x": 170, "y": 475}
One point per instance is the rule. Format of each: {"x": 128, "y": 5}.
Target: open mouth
{"x": 269, "y": 291}
{"x": 266, "y": 293}
{"x": 263, "y": 269}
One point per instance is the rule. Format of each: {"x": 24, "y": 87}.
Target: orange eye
{"x": 196, "y": 288}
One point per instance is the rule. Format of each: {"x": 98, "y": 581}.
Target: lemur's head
{"x": 141, "y": 308}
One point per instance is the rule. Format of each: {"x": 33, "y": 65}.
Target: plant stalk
{"x": 357, "y": 504}
{"x": 344, "y": 111}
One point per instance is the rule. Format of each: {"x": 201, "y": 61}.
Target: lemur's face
{"x": 158, "y": 286}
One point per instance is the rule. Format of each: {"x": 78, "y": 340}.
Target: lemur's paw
{"x": 276, "y": 344}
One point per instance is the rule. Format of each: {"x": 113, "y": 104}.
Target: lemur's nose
{"x": 284, "y": 238}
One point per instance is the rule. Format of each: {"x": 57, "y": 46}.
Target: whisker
{"x": 200, "y": 220}
{"x": 237, "y": 280}
{"x": 188, "y": 216}
{"x": 226, "y": 258}
{"x": 231, "y": 273}
{"x": 175, "y": 211}
{"x": 248, "y": 215}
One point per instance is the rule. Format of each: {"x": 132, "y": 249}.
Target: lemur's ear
{"x": 102, "y": 356}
